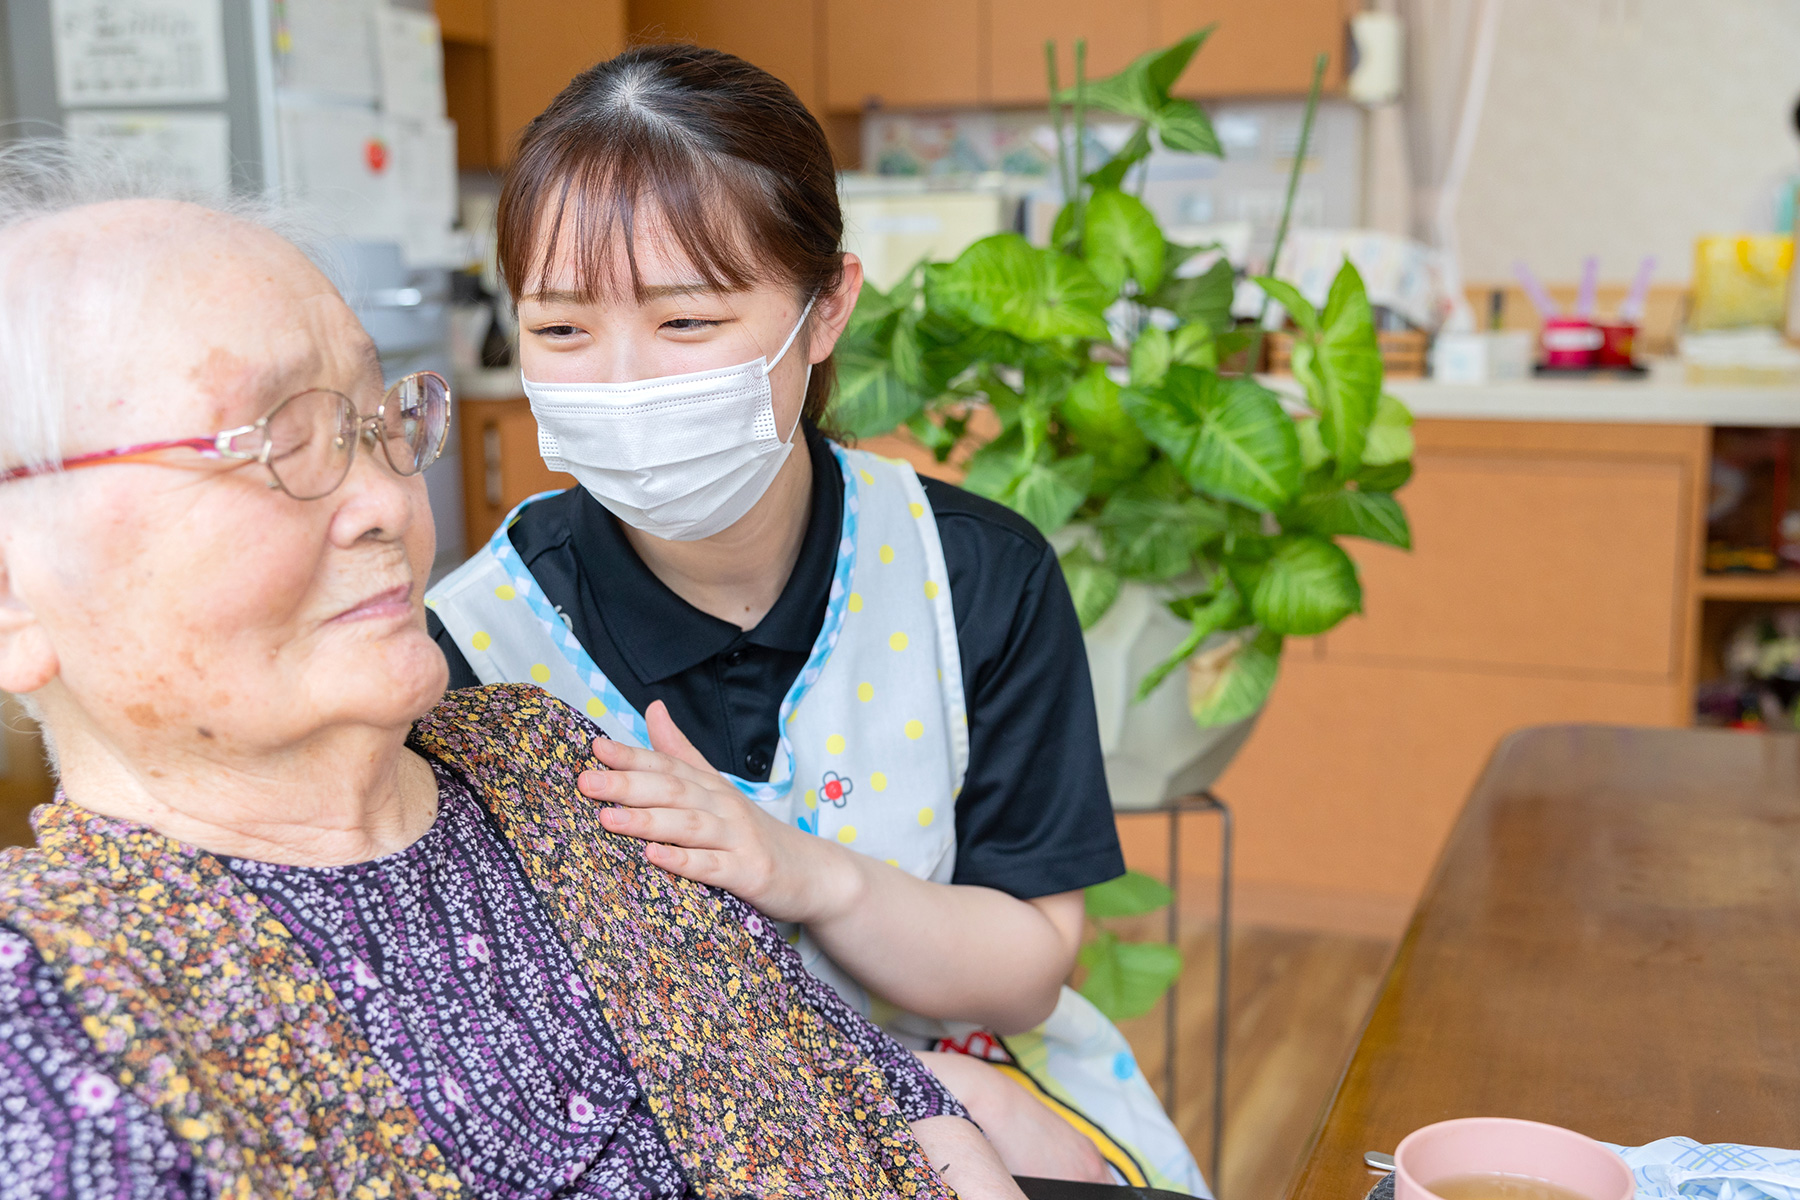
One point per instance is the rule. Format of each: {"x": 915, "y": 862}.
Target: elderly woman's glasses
{"x": 309, "y": 440}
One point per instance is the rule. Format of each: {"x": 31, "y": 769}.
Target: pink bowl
{"x": 1483, "y": 1145}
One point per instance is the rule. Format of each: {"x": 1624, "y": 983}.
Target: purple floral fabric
{"x": 450, "y": 968}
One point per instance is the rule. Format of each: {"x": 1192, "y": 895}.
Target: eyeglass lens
{"x": 312, "y": 436}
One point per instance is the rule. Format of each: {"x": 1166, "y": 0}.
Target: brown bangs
{"x": 595, "y": 200}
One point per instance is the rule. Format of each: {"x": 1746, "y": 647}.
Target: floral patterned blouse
{"x": 468, "y": 997}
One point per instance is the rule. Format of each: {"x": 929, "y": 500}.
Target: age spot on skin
{"x": 204, "y": 732}
{"x": 143, "y": 715}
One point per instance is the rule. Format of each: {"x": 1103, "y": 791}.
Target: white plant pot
{"x": 1153, "y": 749}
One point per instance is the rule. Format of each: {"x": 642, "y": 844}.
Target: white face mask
{"x": 681, "y": 456}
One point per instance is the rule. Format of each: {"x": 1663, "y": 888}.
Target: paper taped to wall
{"x": 138, "y": 51}
{"x": 190, "y": 150}
{"x": 410, "y": 54}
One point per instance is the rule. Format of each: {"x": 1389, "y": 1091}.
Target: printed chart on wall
{"x": 138, "y": 52}
{"x": 189, "y": 149}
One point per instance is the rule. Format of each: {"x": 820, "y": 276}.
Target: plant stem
{"x": 1287, "y": 207}
{"x": 1080, "y": 125}
{"x": 1056, "y": 119}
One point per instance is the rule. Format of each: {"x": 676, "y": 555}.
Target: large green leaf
{"x": 1313, "y": 454}
{"x": 1122, "y": 241}
{"x": 1241, "y": 687}
{"x": 1288, "y": 296}
{"x": 871, "y": 397}
{"x": 1341, "y": 512}
{"x": 1134, "y": 151}
{"x": 1151, "y": 355}
{"x": 1223, "y": 611}
{"x": 1004, "y": 282}
{"x": 1130, "y": 895}
{"x": 1126, "y": 979}
{"x": 1306, "y": 587}
{"x": 1203, "y": 299}
{"x": 994, "y": 468}
{"x": 1389, "y": 477}
{"x": 1390, "y": 434}
{"x": 1153, "y": 537}
{"x": 1048, "y": 493}
{"x": 1093, "y": 585}
{"x": 1142, "y": 90}
{"x": 1228, "y": 437}
{"x": 1345, "y": 367}
{"x": 1091, "y": 414}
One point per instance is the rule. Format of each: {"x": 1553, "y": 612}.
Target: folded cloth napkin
{"x": 1678, "y": 1168}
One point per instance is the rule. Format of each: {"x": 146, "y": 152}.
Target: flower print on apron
{"x": 872, "y": 751}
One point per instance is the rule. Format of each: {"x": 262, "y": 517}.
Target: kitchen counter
{"x": 1664, "y": 397}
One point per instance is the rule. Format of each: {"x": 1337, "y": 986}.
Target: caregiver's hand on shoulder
{"x": 699, "y": 826}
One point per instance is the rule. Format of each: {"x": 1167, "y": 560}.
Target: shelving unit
{"x": 1783, "y": 587}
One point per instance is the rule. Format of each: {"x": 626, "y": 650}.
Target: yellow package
{"x": 1740, "y": 279}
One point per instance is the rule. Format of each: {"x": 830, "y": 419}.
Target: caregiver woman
{"x": 889, "y": 671}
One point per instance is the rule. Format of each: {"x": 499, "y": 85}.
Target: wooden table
{"x": 1611, "y": 942}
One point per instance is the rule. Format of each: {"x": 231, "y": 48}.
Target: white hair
{"x": 44, "y": 177}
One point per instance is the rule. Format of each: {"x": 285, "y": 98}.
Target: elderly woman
{"x": 295, "y": 925}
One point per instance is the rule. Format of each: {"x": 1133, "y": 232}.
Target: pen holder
{"x": 1618, "y": 344}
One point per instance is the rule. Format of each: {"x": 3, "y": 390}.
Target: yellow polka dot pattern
{"x": 867, "y": 478}
{"x": 915, "y": 729}
{"x": 878, "y": 781}
{"x": 887, "y": 553}
{"x": 834, "y": 744}
{"x": 481, "y": 641}
{"x": 865, "y": 692}
{"x": 847, "y": 834}
{"x": 812, "y": 797}
{"x": 855, "y": 601}
{"x": 897, "y": 642}
{"x": 595, "y": 709}
{"x": 540, "y": 673}
{"x": 931, "y": 589}
{"x": 926, "y": 817}
{"x": 505, "y": 592}
{"x": 916, "y": 509}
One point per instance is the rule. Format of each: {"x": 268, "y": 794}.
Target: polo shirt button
{"x": 757, "y": 763}
{"x": 734, "y": 658}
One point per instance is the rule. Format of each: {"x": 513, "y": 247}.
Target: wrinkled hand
{"x": 701, "y": 827}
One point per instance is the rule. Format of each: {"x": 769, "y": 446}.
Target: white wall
{"x": 1626, "y": 127}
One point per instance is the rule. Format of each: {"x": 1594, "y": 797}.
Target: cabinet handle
{"x": 490, "y": 462}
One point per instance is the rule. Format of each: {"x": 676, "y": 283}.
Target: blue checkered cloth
{"x": 1678, "y": 1168}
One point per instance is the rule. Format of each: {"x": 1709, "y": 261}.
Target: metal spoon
{"x": 1375, "y": 1160}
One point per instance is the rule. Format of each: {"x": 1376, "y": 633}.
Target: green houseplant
{"x": 1124, "y": 435}
{"x": 1102, "y": 362}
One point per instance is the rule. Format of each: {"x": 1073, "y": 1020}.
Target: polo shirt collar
{"x": 659, "y": 634}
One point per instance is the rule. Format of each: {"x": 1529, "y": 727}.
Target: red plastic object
{"x": 1618, "y": 344}
{"x": 1570, "y": 343}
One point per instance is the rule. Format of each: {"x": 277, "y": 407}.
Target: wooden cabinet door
{"x": 1116, "y": 33}
{"x": 500, "y": 462}
{"x": 537, "y": 47}
{"x": 1261, "y": 47}
{"x": 918, "y": 54}
{"x": 780, "y": 36}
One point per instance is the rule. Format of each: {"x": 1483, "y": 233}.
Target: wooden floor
{"x": 1298, "y": 1002}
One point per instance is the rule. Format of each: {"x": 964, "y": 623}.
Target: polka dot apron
{"x": 873, "y": 747}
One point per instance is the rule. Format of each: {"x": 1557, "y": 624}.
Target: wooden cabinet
{"x": 780, "y": 36}
{"x": 500, "y": 462}
{"x": 505, "y": 60}
{"x": 1116, "y": 33}
{"x": 1551, "y": 580}
{"x": 1261, "y": 47}
{"x": 919, "y": 54}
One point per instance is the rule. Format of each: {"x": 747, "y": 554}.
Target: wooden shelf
{"x": 1781, "y": 587}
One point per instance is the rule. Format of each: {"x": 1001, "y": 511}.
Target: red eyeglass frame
{"x": 220, "y": 445}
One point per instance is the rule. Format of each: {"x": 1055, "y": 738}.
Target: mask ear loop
{"x": 781, "y": 354}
